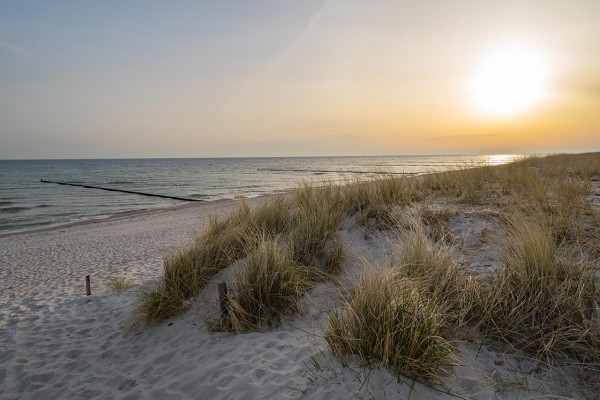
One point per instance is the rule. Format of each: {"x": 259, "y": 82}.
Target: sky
{"x": 128, "y": 79}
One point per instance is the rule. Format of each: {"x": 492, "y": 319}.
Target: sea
{"x": 27, "y": 203}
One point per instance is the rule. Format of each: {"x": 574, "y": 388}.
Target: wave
{"x": 326, "y": 171}
{"x": 12, "y": 210}
{"x": 5, "y": 203}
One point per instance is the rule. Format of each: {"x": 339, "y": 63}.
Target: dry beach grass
{"x": 543, "y": 299}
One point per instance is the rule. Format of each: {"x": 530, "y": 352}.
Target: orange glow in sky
{"x": 316, "y": 77}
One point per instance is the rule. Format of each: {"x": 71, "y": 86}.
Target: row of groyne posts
{"x": 222, "y": 287}
{"x": 88, "y": 283}
{"x": 192, "y": 199}
{"x": 121, "y": 190}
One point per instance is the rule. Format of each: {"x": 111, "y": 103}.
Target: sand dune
{"x": 58, "y": 343}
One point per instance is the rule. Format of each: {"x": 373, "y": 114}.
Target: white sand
{"x": 56, "y": 343}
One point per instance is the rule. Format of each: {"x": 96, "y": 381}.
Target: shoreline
{"x": 130, "y": 214}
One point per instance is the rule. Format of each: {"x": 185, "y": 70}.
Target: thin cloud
{"x": 465, "y": 136}
{"x": 328, "y": 8}
{"x": 590, "y": 89}
{"x": 17, "y": 50}
{"x": 585, "y": 84}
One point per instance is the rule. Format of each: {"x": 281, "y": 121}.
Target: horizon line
{"x": 311, "y": 156}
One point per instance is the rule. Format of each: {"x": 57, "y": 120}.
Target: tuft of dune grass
{"x": 523, "y": 185}
{"x": 272, "y": 218}
{"x": 118, "y": 284}
{"x": 388, "y": 319}
{"x": 316, "y": 218}
{"x": 565, "y": 218}
{"x": 431, "y": 263}
{"x": 269, "y": 287}
{"x": 542, "y": 300}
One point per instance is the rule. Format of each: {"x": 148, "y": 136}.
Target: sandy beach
{"x": 58, "y": 343}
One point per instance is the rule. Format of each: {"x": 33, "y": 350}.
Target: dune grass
{"x": 281, "y": 269}
{"x": 308, "y": 220}
{"x": 118, "y": 284}
{"x": 543, "y": 300}
{"x": 316, "y": 217}
{"x": 402, "y": 315}
{"x": 432, "y": 264}
{"x": 435, "y": 221}
{"x": 566, "y": 215}
{"x": 470, "y": 185}
{"x": 389, "y": 320}
{"x": 187, "y": 271}
{"x": 269, "y": 287}
{"x": 376, "y": 201}
{"x": 581, "y": 166}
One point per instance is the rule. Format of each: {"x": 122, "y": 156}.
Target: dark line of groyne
{"x": 339, "y": 172}
{"x": 121, "y": 190}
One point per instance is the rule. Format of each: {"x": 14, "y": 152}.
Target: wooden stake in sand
{"x": 223, "y": 301}
{"x": 88, "y": 285}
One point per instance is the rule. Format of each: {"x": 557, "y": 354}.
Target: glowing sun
{"x": 509, "y": 80}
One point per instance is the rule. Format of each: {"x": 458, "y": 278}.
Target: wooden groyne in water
{"x": 121, "y": 190}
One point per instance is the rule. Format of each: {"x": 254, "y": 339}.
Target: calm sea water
{"x": 26, "y": 203}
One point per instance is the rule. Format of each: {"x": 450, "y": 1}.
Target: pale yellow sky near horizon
{"x": 412, "y": 84}
{"x": 325, "y": 78}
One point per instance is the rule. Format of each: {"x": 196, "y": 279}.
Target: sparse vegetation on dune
{"x": 581, "y": 166}
{"x": 308, "y": 221}
{"x": 432, "y": 264}
{"x": 267, "y": 288}
{"x": 187, "y": 271}
{"x": 435, "y": 222}
{"x": 118, "y": 284}
{"x": 471, "y": 185}
{"x": 542, "y": 300}
{"x": 390, "y": 319}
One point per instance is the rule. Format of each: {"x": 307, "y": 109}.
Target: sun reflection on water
{"x": 497, "y": 159}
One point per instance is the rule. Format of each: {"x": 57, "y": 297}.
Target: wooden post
{"x": 223, "y": 301}
{"x": 88, "y": 285}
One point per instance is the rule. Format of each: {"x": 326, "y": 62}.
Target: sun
{"x": 510, "y": 80}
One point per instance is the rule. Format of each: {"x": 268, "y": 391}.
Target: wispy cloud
{"x": 17, "y": 50}
{"x": 464, "y": 136}
{"x": 591, "y": 89}
{"x": 327, "y": 9}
